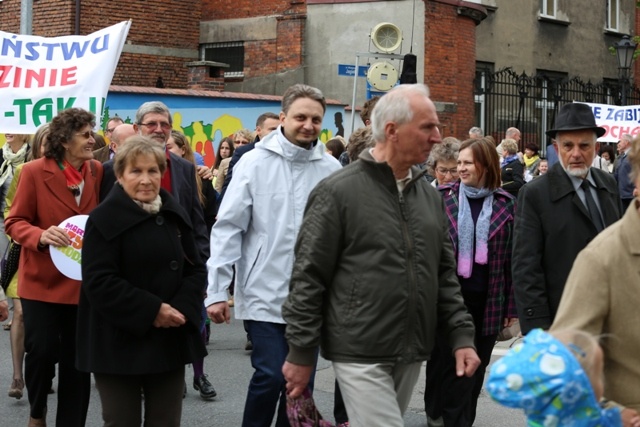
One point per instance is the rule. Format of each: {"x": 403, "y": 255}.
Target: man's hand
{"x": 4, "y": 310}
{"x": 204, "y": 173}
{"x": 169, "y": 317}
{"x": 297, "y": 378}
{"x": 630, "y": 417}
{"x": 219, "y": 312}
{"x": 467, "y": 361}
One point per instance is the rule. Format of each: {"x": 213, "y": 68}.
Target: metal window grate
{"x": 530, "y": 103}
{"x": 231, "y": 53}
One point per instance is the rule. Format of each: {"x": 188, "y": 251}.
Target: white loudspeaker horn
{"x": 386, "y": 36}
{"x": 382, "y": 76}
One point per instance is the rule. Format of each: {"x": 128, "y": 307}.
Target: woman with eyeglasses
{"x": 441, "y": 163}
{"x": 481, "y": 229}
{"x": 242, "y": 137}
{"x": 65, "y": 183}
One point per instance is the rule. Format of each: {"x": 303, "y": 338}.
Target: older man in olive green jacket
{"x": 374, "y": 274}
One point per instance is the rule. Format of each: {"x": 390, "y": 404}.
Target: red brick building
{"x": 164, "y": 35}
{"x": 264, "y": 46}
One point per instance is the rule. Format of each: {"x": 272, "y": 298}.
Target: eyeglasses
{"x": 86, "y": 134}
{"x": 444, "y": 171}
{"x": 154, "y": 125}
{"x": 241, "y": 142}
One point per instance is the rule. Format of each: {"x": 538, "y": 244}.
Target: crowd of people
{"x": 383, "y": 252}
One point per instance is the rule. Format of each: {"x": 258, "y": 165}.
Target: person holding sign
{"x": 141, "y": 301}
{"x": 65, "y": 183}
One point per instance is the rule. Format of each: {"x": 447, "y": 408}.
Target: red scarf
{"x": 73, "y": 176}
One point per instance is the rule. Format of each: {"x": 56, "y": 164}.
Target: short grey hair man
{"x": 476, "y": 133}
{"x": 326, "y": 307}
{"x": 152, "y": 107}
{"x": 624, "y": 143}
{"x": 113, "y": 123}
{"x": 396, "y": 108}
{"x": 512, "y": 133}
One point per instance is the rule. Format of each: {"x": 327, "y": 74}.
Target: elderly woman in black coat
{"x": 141, "y": 298}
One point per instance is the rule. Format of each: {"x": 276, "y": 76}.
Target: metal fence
{"x": 505, "y": 99}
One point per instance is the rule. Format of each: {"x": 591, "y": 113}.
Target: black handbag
{"x": 9, "y": 264}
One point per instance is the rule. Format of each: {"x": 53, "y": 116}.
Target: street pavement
{"x": 229, "y": 370}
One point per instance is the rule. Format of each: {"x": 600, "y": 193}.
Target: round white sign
{"x": 68, "y": 259}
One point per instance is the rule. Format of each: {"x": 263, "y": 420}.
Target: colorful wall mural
{"x": 206, "y": 120}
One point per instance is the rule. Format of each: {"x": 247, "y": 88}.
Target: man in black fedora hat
{"x": 558, "y": 214}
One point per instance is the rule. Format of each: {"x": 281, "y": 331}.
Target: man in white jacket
{"x": 256, "y": 230}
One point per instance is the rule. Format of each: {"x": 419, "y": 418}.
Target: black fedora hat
{"x": 575, "y": 116}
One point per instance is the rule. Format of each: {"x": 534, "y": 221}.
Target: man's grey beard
{"x": 578, "y": 173}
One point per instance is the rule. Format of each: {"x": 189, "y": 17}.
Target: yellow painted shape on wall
{"x": 227, "y": 125}
{"x": 325, "y": 135}
{"x": 2, "y": 139}
{"x": 199, "y": 135}
{"x": 177, "y": 122}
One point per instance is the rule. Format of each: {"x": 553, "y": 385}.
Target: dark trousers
{"x": 339, "y": 410}
{"x": 50, "y": 338}
{"x": 267, "y": 386}
{"x": 446, "y": 395}
{"x": 121, "y": 399}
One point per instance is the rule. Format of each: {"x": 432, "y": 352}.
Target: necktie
{"x": 591, "y": 206}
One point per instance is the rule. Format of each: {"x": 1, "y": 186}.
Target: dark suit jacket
{"x": 183, "y": 189}
{"x": 621, "y": 174}
{"x": 42, "y": 199}
{"x": 237, "y": 153}
{"x": 552, "y": 226}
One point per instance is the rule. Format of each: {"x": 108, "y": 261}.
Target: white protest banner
{"x": 616, "y": 120}
{"x": 68, "y": 259}
{"x": 40, "y": 76}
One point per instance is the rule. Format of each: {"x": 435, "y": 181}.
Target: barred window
{"x": 231, "y": 53}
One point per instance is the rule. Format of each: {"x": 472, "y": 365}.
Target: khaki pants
{"x": 376, "y": 393}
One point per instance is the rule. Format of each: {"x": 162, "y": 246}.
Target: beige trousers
{"x": 376, "y": 394}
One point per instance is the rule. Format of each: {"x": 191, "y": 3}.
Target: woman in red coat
{"x": 63, "y": 184}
